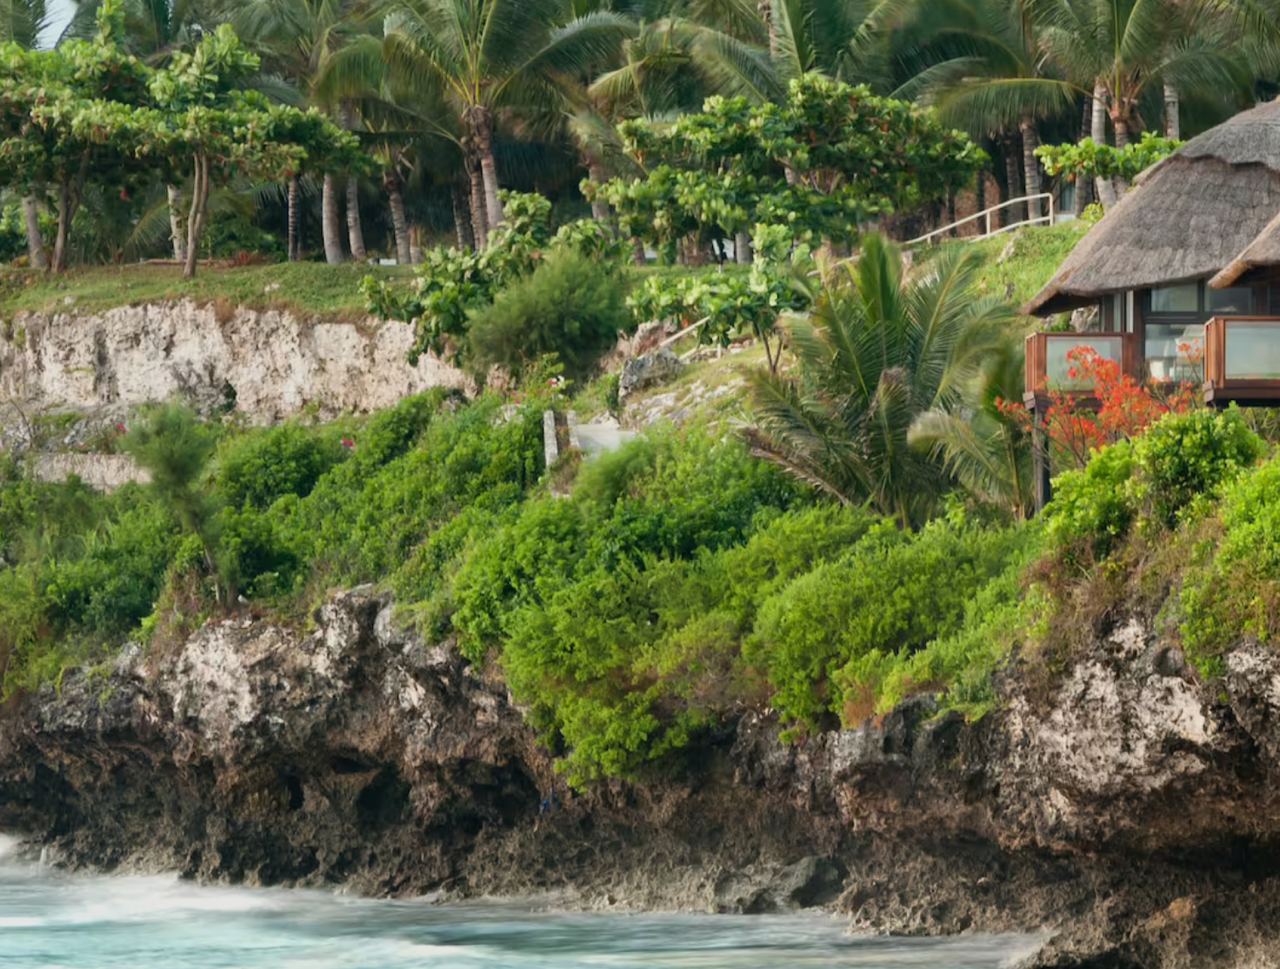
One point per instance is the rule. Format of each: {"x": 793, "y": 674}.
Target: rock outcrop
{"x": 267, "y": 365}
{"x": 1122, "y": 808}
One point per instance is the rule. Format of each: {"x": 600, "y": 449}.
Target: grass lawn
{"x": 309, "y": 288}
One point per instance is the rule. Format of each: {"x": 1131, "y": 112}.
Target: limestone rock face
{"x": 266, "y": 364}
{"x": 1120, "y": 807}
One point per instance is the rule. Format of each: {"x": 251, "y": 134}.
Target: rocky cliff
{"x": 265, "y": 364}
{"x": 1122, "y": 808}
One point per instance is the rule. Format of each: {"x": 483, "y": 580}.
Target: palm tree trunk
{"x": 355, "y": 230}
{"x": 399, "y": 224}
{"x": 1084, "y": 188}
{"x": 176, "y": 231}
{"x": 415, "y": 243}
{"x": 1030, "y": 163}
{"x": 295, "y": 238}
{"x": 1098, "y": 123}
{"x": 479, "y": 224}
{"x": 1121, "y": 125}
{"x": 35, "y": 239}
{"x": 1172, "y": 110}
{"x": 462, "y": 224}
{"x": 329, "y": 223}
{"x": 481, "y": 121}
{"x": 742, "y": 254}
{"x": 1013, "y": 175}
{"x": 1104, "y": 187}
{"x": 766, "y": 14}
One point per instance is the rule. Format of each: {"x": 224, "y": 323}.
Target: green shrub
{"x": 1234, "y": 592}
{"x": 256, "y": 469}
{"x": 570, "y": 305}
{"x": 1179, "y": 461}
{"x": 893, "y": 592}
{"x": 1186, "y": 457}
{"x": 1092, "y": 510}
{"x": 964, "y": 662}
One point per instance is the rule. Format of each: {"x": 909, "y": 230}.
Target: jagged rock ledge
{"x": 1124, "y": 810}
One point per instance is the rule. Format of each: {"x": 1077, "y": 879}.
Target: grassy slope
{"x": 306, "y": 287}
{"x": 1020, "y": 263}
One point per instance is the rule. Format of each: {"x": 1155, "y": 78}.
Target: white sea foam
{"x": 8, "y": 846}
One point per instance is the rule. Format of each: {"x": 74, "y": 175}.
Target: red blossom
{"x": 1125, "y": 407}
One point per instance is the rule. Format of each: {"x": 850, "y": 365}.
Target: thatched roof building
{"x": 1210, "y": 209}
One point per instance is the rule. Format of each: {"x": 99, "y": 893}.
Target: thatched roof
{"x": 1189, "y": 216}
{"x": 1262, "y": 253}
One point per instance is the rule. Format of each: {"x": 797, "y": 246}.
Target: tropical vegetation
{"x": 857, "y": 534}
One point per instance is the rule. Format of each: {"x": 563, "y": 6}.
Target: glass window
{"x": 1237, "y": 299}
{"x": 1058, "y": 366}
{"x": 1183, "y": 298}
{"x": 1175, "y": 352}
{"x": 1253, "y": 351}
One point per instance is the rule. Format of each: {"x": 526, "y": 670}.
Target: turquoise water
{"x": 50, "y": 920}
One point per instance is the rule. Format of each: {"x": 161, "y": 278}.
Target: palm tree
{"x": 491, "y": 56}
{"x": 981, "y": 445}
{"x": 844, "y": 39}
{"x": 23, "y": 22}
{"x": 991, "y": 76}
{"x": 332, "y": 52}
{"x": 877, "y": 351}
{"x": 1123, "y": 49}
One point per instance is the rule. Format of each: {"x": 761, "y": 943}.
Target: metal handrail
{"x": 986, "y": 214}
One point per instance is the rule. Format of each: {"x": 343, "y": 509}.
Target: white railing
{"x": 985, "y": 217}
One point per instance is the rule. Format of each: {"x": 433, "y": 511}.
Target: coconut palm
{"x": 494, "y": 56}
{"x": 844, "y": 39}
{"x": 331, "y": 51}
{"x": 982, "y": 445}
{"x": 1126, "y": 49}
{"x": 990, "y": 75}
{"x": 877, "y": 351}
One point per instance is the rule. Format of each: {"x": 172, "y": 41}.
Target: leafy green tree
{"x": 827, "y": 159}
{"x": 69, "y": 120}
{"x": 155, "y": 30}
{"x": 208, "y": 123}
{"x": 877, "y": 351}
{"x": 22, "y": 22}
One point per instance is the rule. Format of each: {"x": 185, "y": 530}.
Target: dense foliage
{"x": 89, "y": 112}
{"x": 1088, "y": 160}
{"x": 822, "y": 163}
{"x": 454, "y": 284}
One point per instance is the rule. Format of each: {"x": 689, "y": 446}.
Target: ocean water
{"x": 50, "y": 920}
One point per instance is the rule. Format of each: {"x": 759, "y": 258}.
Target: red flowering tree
{"x": 1114, "y": 407}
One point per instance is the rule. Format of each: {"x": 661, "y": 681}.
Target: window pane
{"x": 1058, "y": 368}
{"x": 1184, "y": 298}
{"x": 1175, "y": 351}
{"x": 1253, "y": 351}
{"x": 1237, "y": 299}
